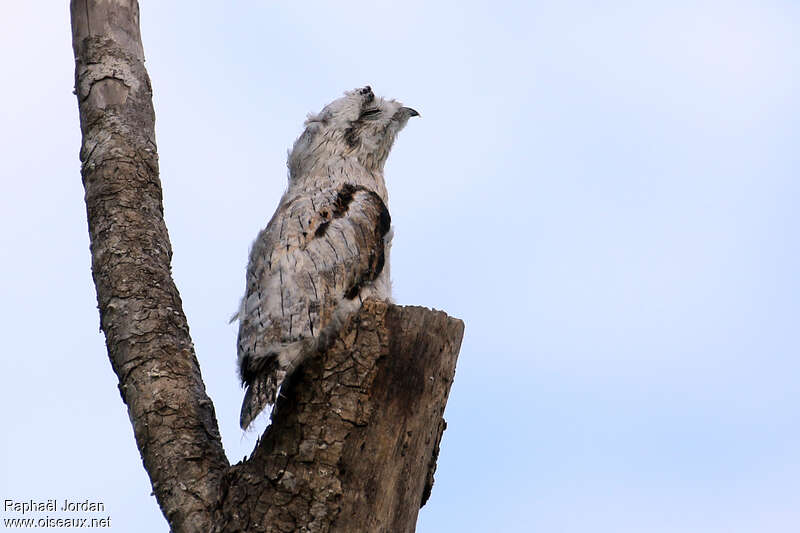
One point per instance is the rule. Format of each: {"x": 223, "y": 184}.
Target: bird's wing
{"x": 317, "y": 251}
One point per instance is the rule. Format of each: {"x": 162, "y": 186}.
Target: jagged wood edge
{"x": 353, "y": 441}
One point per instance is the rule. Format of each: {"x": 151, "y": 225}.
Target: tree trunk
{"x": 354, "y": 438}
{"x": 353, "y": 441}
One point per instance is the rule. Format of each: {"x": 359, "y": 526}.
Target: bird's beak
{"x": 411, "y": 112}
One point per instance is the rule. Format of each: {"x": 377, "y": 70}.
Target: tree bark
{"x": 147, "y": 335}
{"x": 354, "y": 438}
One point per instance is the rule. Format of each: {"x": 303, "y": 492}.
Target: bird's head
{"x": 359, "y": 125}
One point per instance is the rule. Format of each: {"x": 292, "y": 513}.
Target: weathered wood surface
{"x": 353, "y": 440}
{"x": 147, "y": 335}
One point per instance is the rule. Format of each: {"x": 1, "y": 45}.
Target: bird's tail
{"x": 264, "y": 375}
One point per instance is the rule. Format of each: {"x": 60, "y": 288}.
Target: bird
{"x": 325, "y": 249}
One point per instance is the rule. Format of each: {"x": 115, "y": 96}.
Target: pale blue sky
{"x": 605, "y": 192}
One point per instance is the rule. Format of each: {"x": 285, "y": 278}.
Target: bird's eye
{"x": 370, "y": 113}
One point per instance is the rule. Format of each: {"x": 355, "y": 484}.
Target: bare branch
{"x": 141, "y": 314}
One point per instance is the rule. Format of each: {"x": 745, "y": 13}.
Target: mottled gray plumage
{"x": 326, "y": 247}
